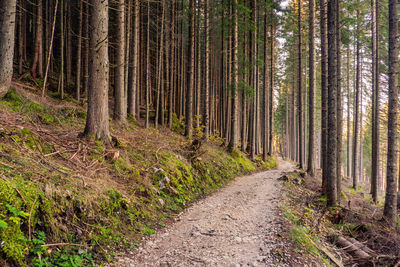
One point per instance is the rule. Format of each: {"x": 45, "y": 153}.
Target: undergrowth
{"x": 74, "y": 202}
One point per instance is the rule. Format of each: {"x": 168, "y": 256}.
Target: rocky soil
{"x": 240, "y": 225}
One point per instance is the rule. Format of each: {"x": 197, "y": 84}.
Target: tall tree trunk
{"x": 120, "y": 108}
{"x": 134, "y": 75}
{"x": 37, "y": 65}
{"x": 148, "y": 85}
{"x": 300, "y": 91}
{"x": 271, "y": 86}
{"x": 332, "y": 105}
{"x": 172, "y": 67}
{"x": 190, "y": 73}
{"x": 356, "y": 108}
{"x": 7, "y": 28}
{"x": 375, "y": 101}
{"x": 235, "y": 45}
{"x": 68, "y": 48}
{"x": 86, "y": 52}
{"x": 50, "y": 49}
{"x": 61, "y": 90}
{"x": 324, "y": 92}
{"x": 254, "y": 81}
{"x": 159, "y": 112}
{"x": 79, "y": 55}
{"x": 266, "y": 88}
{"x": 97, "y": 121}
{"x": 390, "y": 210}
{"x": 206, "y": 108}
{"x": 311, "y": 73}
{"x": 20, "y": 37}
{"x": 339, "y": 105}
{"x": 348, "y": 111}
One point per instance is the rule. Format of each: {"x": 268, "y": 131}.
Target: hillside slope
{"x": 68, "y": 201}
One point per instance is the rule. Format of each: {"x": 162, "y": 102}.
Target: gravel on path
{"x": 240, "y": 225}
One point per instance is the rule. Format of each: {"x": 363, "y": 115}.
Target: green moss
{"x": 271, "y": 163}
{"x": 178, "y": 125}
{"x": 32, "y": 141}
{"x": 246, "y": 164}
{"x": 20, "y": 203}
{"x": 122, "y": 166}
{"x": 18, "y": 103}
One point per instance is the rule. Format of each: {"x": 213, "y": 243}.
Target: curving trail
{"x": 237, "y": 226}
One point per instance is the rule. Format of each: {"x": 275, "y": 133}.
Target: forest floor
{"x": 240, "y": 225}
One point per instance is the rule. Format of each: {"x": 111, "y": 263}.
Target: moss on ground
{"x": 94, "y": 199}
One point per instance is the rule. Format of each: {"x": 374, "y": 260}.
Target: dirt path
{"x": 236, "y": 226}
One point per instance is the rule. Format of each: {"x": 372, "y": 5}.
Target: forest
{"x": 312, "y": 82}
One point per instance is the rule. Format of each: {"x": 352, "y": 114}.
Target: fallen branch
{"x": 354, "y": 248}
{"x": 61, "y": 244}
{"x": 23, "y": 85}
{"x": 29, "y": 219}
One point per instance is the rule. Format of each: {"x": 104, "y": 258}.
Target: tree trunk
{"x": 332, "y": 105}
{"x": 254, "y": 81}
{"x": 148, "y": 85}
{"x": 265, "y": 101}
{"x": 271, "y": 87}
{"x": 235, "y": 43}
{"x": 86, "y": 52}
{"x": 61, "y": 90}
{"x": 134, "y": 75}
{"x": 324, "y": 92}
{"x": 190, "y": 73}
{"x": 206, "y": 108}
{"x": 160, "y": 68}
{"x": 300, "y": 91}
{"x": 7, "y": 28}
{"x": 375, "y": 101}
{"x": 339, "y": 105}
{"x": 356, "y": 108}
{"x": 79, "y": 55}
{"x": 21, "y": 43}
{"x": 119, "y": 86}
{"x": 97, "y": 122}
{"x": 311, "y": 73}
{"x": 390, "y": 210}
{"x": 37, "y": 65}
{"x": 348, "y": 112}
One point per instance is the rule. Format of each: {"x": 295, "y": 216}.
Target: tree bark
{"x": 300, "y": 91}
{"x": 7, "y": 28}
{"x": 120, "y": 107}
{"x": 332, "y": 105}
{"x": 134, "y": 75}
{"x": 206, "y": 101}
{"x": 235, "y": 81}
{"x": 375, "y": 101}
{"x": 190, "y": 73}
{"x": 311, "y": 73}
{"x": 266, "y": 88}
{"x": 37, "y": 65}
{"x": 339, "y": 105}
{"x": 390, "y": 209}
{"x": 97, "y": 122}
{"x": 356, "y": 108}
{"x": 79, "y": 55}
{"x": 324, "y": 92}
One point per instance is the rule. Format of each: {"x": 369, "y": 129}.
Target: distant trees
{"x": 208, "y": 69}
